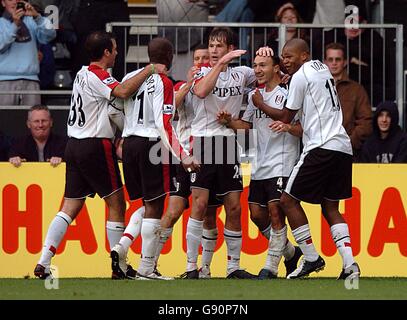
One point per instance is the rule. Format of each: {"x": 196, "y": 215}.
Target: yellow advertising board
{"x": 32, "y": 194}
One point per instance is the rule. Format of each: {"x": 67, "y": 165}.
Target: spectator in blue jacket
{"x": 388, "y": 143}
{"x": 21, "y": 30}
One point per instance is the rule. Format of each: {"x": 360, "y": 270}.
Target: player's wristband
{"x": 152, "y": 68}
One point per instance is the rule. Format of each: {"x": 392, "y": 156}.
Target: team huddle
{"x": 200, "y": 158}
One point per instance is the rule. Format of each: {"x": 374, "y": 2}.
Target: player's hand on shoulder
{"x": 285, "y": 78}
{"x": 265, "y": 52}
{"x": 160, "y": 68}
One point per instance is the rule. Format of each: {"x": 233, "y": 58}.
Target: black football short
{"x": 91, "y": 167}
{"x": 184, "y": 188}
{"x": 321, "y": 174}
{"x": 262, "y": 192}
{"x": 148, "y": 175}
{"x": 220, "y": 170}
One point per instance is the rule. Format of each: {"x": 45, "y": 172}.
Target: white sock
{"x": 209, "y": 238}
{"x": 150, "y": 235}
{"x": 303, "y": 237}
{"x": 165, "y": 234}
{"x": 340, "y": 235}
{"x": 233, "y": 241}
{"x": 194, "y": 237}
{"x": 114, "y": 232}
{"x": 55, "y": 234}
{"x": 266, "y": 232}
{"x": 133, "y": 229}
{"x": 289, "y": 250}
{"x": 275, "y": 250}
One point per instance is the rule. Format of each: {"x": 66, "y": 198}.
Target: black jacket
{"x": 393, "y": 148}
{"x": 26, "y": 148}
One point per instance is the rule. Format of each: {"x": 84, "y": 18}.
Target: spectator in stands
{"x": 183, "y": 39}
{"x": 5, "y": 143}
{"x": 388, "y": 143}
{"x": 356, "y": 109}
{"x": 92, "y": 15}
{"x": 21, "y": 29}
{"x": 287, "y": 15}
{"x": 41, "y": 144}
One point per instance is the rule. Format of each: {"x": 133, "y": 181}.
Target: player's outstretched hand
{"x": 191, "y": 164}
{"x": 285, "y": 78}
{"x": 265, "y": 52}
{"x": 231, "y": 55}
{"x": 257, "y": 98}
{"x": 224, "y": 117}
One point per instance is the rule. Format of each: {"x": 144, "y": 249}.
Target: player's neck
{"x": 272, "y": 84}
{"x": 100, "y": 64}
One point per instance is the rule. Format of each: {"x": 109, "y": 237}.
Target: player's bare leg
{"x": 341, "y": 237}
{"x": 55, "y": 234}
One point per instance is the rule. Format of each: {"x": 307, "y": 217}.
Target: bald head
{"x": 295, "y": 54}
{"x": 160, "y": 51}
{"x": 298, "y": 45}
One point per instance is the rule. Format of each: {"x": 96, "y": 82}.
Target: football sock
{"x": 55, "y": 234}
{"x": 165, "y": 234}
{"x": 194, "y": 237}
{"x": 209, "y": 238}
{"x": 340, "y": 235}
{"x": 233, "y": 241}
{"x": 277, "y": 243}
{"x": 133, "y": 229}
{"x": 302, "y": 236}
{"x": 114, "y": 232}
{"x": 150, "y": 238}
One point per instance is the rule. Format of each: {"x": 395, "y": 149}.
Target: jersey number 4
{"x": 76, "y": 112}
{"x": 330, "y": 85}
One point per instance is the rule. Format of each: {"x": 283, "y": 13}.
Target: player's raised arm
{"x": 204, "y": 85}
{"x": 127, "y": 88}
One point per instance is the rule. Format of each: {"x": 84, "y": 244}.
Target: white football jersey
{"x": 185, "y": 117}
{"x": 227, "y": 95}
{"x": 276, "y": 153}
{"x": 312, "y": 90}
{"x": 149, "y": 112}
{"x": 91, "y": 95}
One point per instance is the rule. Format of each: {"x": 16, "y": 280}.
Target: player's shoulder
{"x": 101, "y": 74}
{"x": 131, "y": 74}
{"x": 166, "y": 81}
{"x": 179, "y": 85}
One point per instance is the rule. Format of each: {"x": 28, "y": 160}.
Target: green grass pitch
{"x": 214, "y": 289}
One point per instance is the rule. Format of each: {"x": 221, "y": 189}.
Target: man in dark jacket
{"x": 388, "y": 143}
{"x": 41, "y": 144}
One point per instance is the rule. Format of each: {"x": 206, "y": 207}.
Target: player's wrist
{"x": 152, "y": 69}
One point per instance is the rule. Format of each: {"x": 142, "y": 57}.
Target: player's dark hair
{"x": 96, "y": 44}
{"x": 223, "y": 34}
{"x": 276, "y": 60}
{"x": 160, "y": 51}
{"x": 336, "y": 46}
